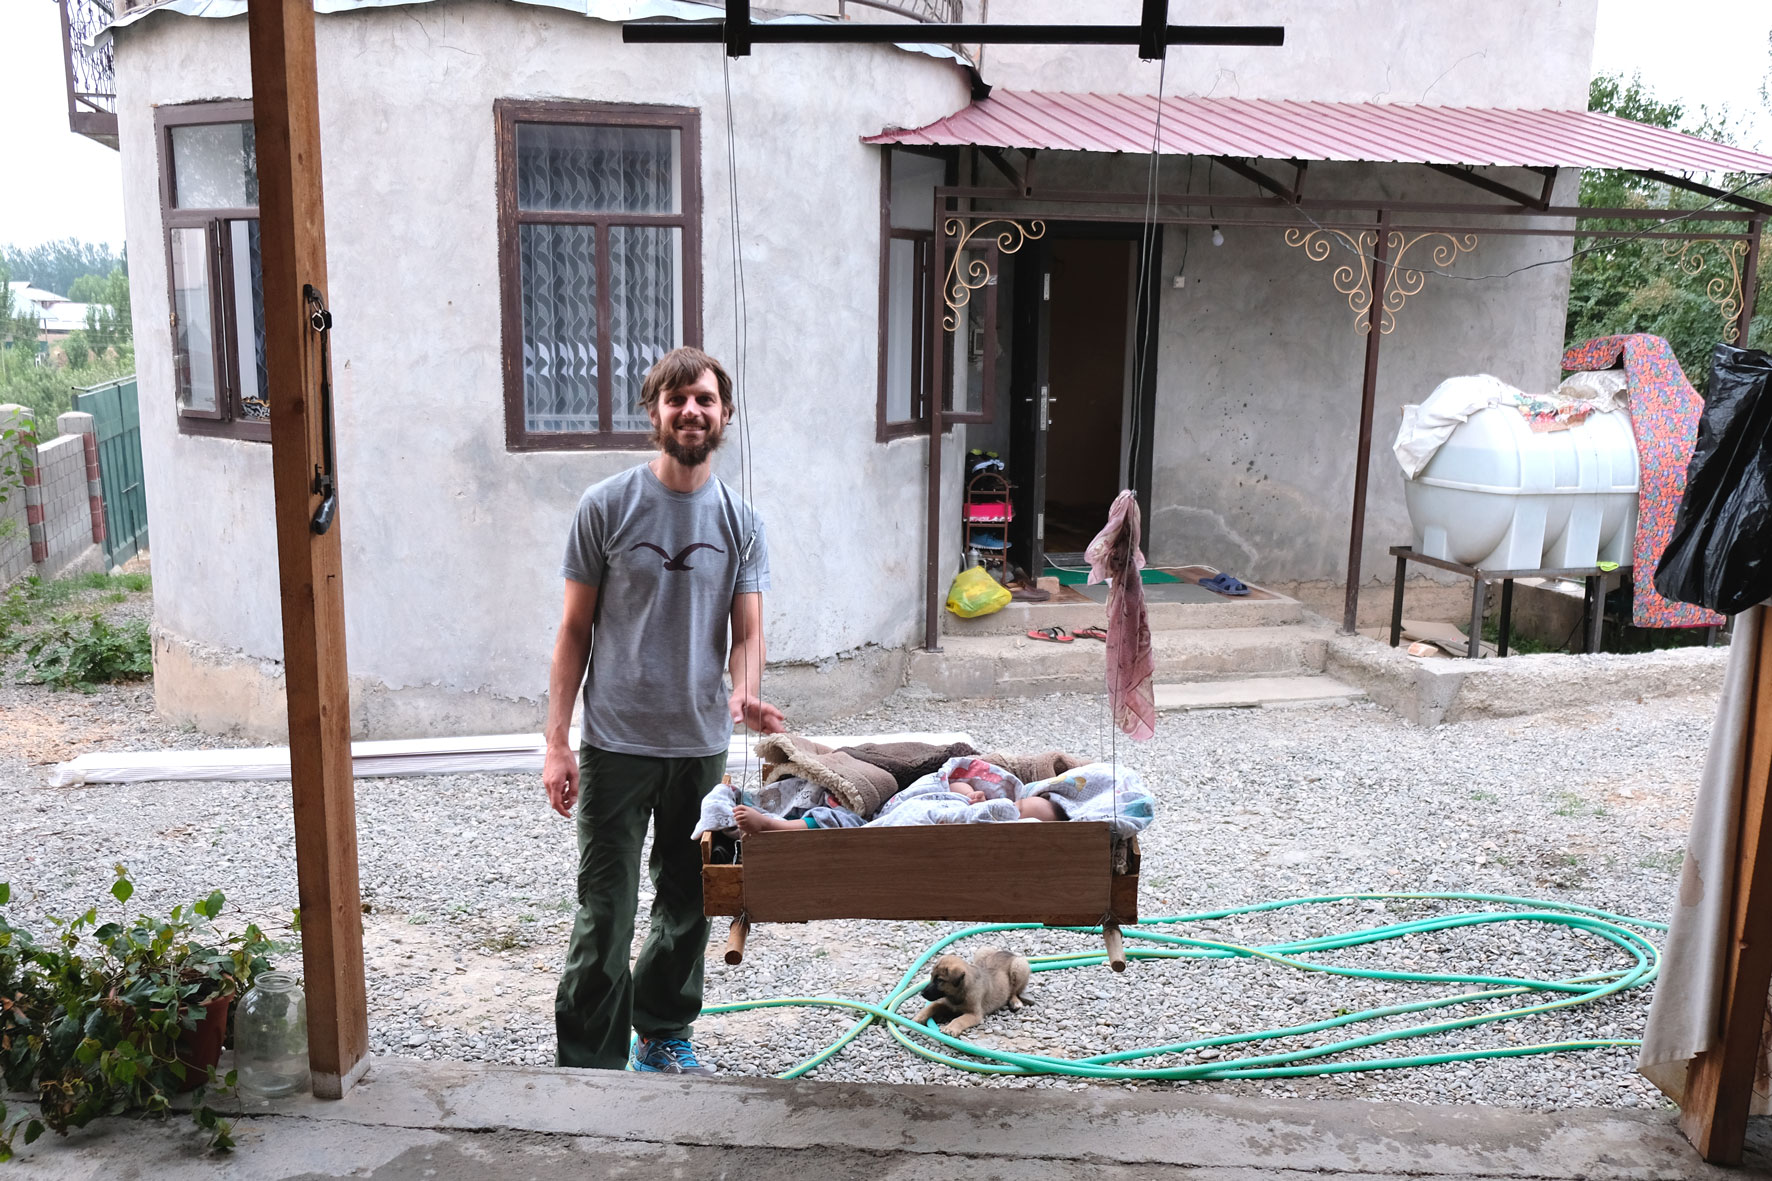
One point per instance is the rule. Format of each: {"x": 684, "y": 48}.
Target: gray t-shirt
{"x": 666, "y": 566}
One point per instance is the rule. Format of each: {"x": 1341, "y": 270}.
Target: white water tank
{"x": 1501, "y": 496}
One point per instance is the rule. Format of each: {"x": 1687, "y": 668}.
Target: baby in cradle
{"x": 974, "y": 783}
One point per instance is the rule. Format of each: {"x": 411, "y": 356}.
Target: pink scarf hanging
{"x": 1131, "y": 673}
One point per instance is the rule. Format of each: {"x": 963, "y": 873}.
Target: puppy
{"x": 962, "y": 994}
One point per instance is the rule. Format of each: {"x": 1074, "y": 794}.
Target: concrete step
{"x": 1017, "y": 619}
{"x": 1259, "y": 693}
{"x": 1015, "y": 666}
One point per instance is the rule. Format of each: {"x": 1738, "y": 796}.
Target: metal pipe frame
{"x": 745, "y": 34}
{"x": 932, "y": 559}
{"x": 1349, "y": 205}
{"x": 1065, "y": 204}
{"x": 1432, "y": 227}
{"x": 1368, "y": 406}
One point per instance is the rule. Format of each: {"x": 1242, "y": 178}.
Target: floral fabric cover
{"x": 1664, "y": 410}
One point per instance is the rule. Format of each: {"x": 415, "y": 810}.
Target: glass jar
{"x": 271, "y": 1037}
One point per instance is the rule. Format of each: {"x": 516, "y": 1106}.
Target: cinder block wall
{"x": 55, "y": 518}
{"x": 15, "y": 537}
{"x": 67, "y": 519}
{"x": 15, "y": 532}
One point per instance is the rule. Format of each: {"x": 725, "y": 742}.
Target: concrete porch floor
{"x": 412, "y": 1119}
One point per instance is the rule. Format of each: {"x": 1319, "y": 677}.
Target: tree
{"x": 20, "y": 329}
{"x": 56, "y": 266}
{"x": 101, "y": 351}
{"x": 107, "y": 330}
{"x": 1622, "y": 285}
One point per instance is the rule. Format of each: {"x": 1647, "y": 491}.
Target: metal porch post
{"x": 292, "y": 219}
{"x": 1368, "y": 395}
{"x": 933, "y": 351}
{"x": 1750, "y": 280}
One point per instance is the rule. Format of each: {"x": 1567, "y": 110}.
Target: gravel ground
{"x": 467, "y": 881}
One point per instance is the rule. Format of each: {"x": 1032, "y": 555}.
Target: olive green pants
{"x": 599, "y": 999}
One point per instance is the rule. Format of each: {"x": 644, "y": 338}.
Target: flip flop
{"x": 1224, "y": 584}
{"x": 1091, "y": 633}
{"x": 1056, "y": 635}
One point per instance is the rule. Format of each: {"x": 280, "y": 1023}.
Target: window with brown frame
{"x": 908, "y": 180}
{"x": 599, "y": 210}
{"x": 215, "y": 286}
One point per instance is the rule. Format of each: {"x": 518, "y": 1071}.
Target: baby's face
{"x": 965, "y": 788}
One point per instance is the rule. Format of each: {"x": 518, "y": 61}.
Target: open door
{"x": 1082, "y": 398}
{"x": 1028, "y": 410}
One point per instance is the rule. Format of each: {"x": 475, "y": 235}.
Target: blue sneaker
{"x": 665, "y": 1055}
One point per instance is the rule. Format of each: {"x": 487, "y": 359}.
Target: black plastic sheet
{"x": 1720, "y": 553}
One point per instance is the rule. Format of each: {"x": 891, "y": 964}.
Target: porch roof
{"x": 1291, "y": 130}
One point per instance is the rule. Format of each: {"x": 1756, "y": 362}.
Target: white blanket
{"x": 1098, "y": 791}
{"x": 1425, "y": 428}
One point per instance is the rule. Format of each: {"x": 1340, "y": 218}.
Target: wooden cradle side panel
{"x": 722, "y": 886}
{"x": 1058, "y": 874}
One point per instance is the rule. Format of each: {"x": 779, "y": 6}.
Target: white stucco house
{"x": 522, "y": 211}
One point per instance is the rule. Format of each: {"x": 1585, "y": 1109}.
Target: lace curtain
{"x": 602, "y": 170}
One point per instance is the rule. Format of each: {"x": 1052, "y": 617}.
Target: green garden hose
{"x": 930, "y": 1043}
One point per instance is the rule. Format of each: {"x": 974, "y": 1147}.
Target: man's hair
{"x": 681, "y": 367}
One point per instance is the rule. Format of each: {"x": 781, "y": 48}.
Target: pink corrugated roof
{"x": 1285, "y": 130}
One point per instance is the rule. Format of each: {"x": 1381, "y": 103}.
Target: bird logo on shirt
{"x": 679, "y": 562}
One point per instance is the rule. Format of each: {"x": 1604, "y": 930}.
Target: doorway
{"x": 1073, "y": 401}
{"x": 1088, "y": 349}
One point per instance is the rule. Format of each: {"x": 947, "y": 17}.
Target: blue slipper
{"x": 1224, "y": 584}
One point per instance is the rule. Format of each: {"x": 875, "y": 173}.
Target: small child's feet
{"x": 750, "y": 821}
{"x": 1037, "y": 808}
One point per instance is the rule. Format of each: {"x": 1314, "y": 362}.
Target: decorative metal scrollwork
{"x": 1353, "y": 278}
{"x": 1693, "y": 255}
{"x": 961, "y": 282}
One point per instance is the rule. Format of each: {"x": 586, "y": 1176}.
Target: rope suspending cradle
{"x": 1072, "y": 874}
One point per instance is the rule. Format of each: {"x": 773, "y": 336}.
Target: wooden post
{"x": 293, "y": 231}
{"x": 735, "y": 937}
{"x": 1719, "y": 1084}
{"x": 1116, "y": 948}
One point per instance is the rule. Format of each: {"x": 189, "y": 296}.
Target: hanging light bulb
{"x": 1217, "y": 236}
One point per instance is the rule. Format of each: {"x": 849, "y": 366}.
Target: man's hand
{"x": 755, "y": 713}
{"x": 559, "y": 774}
{"x": 572, "y": 647}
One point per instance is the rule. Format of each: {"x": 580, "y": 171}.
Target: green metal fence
{"x": 118, "y": 425}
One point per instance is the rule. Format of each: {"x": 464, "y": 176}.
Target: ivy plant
{"x": 92, "y": 1017}
{"x": 64, "y": 655}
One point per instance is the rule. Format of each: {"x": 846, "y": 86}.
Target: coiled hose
{"x": 1147, "y": 943}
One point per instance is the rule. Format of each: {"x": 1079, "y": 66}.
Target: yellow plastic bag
{"x": 975, "y": 593}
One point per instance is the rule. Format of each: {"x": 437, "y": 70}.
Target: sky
{"x": 58, "y": 184}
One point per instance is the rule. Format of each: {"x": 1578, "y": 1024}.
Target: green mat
{"x": 1078, "y": 577}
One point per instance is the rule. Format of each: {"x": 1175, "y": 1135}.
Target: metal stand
{"x": 1593, "y": 597}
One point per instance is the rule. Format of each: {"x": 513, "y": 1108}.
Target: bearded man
{"x": 665, "y": 567}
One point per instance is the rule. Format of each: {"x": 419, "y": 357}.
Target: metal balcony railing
{"x": 91, "y": 72}
{"x": 922, "y": 11}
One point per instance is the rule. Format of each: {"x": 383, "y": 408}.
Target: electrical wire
{"x": 741, "y": 332}
{"x": 1478, "y": 989}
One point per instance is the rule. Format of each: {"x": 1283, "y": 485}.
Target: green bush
{"x": 64, "y": 656}
{"x": 91, "y": 1020}
{"x": 26, "y": 601}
